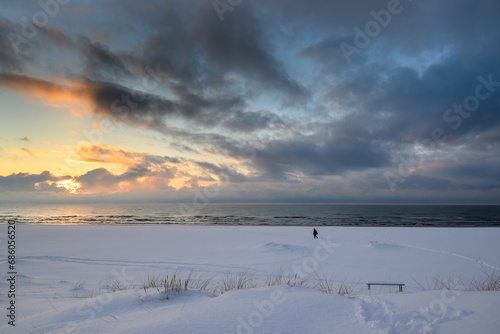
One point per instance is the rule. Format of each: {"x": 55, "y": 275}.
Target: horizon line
{"x": 261, "y": 203}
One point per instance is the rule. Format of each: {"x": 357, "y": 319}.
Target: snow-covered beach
{"x": 65, "y": 275}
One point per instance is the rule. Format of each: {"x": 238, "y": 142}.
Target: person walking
{"x": 315, "y": 234}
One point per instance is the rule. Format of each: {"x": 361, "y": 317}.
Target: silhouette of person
{"x": 315, "y": 234}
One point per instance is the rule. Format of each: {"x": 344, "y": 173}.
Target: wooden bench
{"x": 399, "y": 284}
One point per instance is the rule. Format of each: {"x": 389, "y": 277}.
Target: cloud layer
{"x": 413, "y": 113}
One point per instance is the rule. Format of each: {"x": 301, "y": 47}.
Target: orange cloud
{"x": 104, "y": 98}
{"x": 232, "y": 161}
{"x": 206, "y": 154}
{"x": 140, "y": 171}
{"x": 68, "y": 94}
{"x": 107, "y": 154}
{"x": 125, "y": 171}
{"x": 133, "y": 180}
{"x": 31, "y": 153}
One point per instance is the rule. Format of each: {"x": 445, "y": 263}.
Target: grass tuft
{"x": 284, "y": 277}
{"x": 236, "y": 281}
{"x": 487, "y": 280}
{"x": 79, "y": 290}
{"x": 113, "y": 284}
{"x": 170, "y": 284}
{"x": 330, "y": 285}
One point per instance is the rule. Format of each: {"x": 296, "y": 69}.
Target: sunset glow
{"x": 69, "y": 185}
{"x": 290, "y": 101}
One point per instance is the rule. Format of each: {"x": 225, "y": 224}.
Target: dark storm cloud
{"x": 136, "y": 108}
{"x": 101, "y": 63}
{"x": 310, "y": 158}
{"x": 238, "y": 44}
{"x": 51, "y": 36}
{"x": 22, "y": 44}
{"x": 477, "y": 170}
{"x": 393, "y": 94}
{"x": 99, "y": 177}
{"x": 217, "y": 108}
{"x": 420, "y": 26}
{"x": 486, "y": 142}
{"x": 388, "y": 98}
{"x": 171, "y": 57}
{"x": 9, "y": 61}
{"x": 251, "y": 120}
{"x": 274, "y": 160}
{"x": 326, "y": 52}
{"x": 324, "y": 154}
{"x": 131, "y": 107}
{"x": 26, "y": 182}
{"x": 447, "y": 185}
{"x": 404, "y": 106}
{"x": 419, "y": 182}
{"x": 191, "y": 44}
{"x": 170, "y": 46}
{"x": 150, "y": 110}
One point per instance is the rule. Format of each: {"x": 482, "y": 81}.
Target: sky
{"x": 250, "y": 101}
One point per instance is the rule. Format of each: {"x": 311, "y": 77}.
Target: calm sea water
{"x": 288, "y": 215}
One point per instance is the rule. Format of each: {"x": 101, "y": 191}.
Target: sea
{"x": 254, "y": 214}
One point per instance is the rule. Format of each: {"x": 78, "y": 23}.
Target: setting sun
{"x": 70, "y": 185}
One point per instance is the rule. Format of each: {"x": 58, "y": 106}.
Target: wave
{"x": 285, "y": 215}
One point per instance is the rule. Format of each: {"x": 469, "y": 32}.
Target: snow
{"x": 63, "y": 271}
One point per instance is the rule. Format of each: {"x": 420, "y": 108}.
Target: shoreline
{"x": 416, "y": 225}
